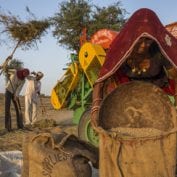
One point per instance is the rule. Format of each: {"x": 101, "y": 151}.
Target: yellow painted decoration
{"x": 91, "y": 58}
{"x": 64, "y": 86}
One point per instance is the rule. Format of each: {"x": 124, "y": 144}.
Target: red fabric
{"x": 170, "y": 90}
{"x": 22, "y": 73}
{"x": 172, "y": 28}
{"x": 120, "y": 77}
{"x": 143, "y": 23}
{"x": 104, "y": 37}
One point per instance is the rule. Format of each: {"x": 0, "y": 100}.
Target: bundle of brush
{"x": 24, "y": 33}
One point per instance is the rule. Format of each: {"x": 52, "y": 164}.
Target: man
{"x": 32, "y": 94}
{"x": 14, "y": 86}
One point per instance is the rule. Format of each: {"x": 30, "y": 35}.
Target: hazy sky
{"x": 50, "y": 58}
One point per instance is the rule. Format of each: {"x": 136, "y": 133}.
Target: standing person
{"x": 32, "y": 94}
{"x": 14, "y": 85}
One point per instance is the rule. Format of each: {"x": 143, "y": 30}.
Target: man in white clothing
{"x": 32, "y": 94}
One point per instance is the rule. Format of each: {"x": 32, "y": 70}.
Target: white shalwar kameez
{"x": 33, "y": 88}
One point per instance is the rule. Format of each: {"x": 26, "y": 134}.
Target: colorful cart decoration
{"x": 74, "y": 89}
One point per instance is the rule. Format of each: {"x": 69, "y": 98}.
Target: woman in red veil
{"x": 143, "y": 50}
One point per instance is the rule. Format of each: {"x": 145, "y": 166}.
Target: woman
{"x": 146, "y": 63}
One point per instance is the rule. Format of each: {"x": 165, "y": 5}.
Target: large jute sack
{"x": 137, "y": 132}
{"x": 131, "y": 152}
{"x": 57, "y": 155}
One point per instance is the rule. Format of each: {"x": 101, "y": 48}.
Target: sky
{"x": 50, "y": 58}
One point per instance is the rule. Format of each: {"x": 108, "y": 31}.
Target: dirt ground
{"x": 13, "y": 140}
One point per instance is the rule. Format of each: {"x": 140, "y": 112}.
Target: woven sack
{"x": 57, "y": 155}
{"x": 137, "y": 132}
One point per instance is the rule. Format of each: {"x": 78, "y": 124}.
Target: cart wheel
{"x": 85, "y": 130}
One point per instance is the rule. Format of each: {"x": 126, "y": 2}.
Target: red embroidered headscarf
{"x": 143, "y": 23}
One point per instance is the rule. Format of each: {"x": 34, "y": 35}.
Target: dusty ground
{"x": 13, "y": 140}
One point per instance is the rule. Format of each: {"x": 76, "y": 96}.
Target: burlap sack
{"x": 136, "y": 143}
{"x": 131, "y": 152}
{"x": 57, "y": 155}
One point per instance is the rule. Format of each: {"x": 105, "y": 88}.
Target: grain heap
{"x": 137, "y": 105}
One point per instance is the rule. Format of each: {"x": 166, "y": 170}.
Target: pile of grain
{"x": 137, "y": 105}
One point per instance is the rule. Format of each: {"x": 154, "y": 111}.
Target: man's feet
{"x": 9, "y": 129}
{"x": 5, "y": 131}
{"x": 28, "y": 125}
{"x": 20, "y": 127}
